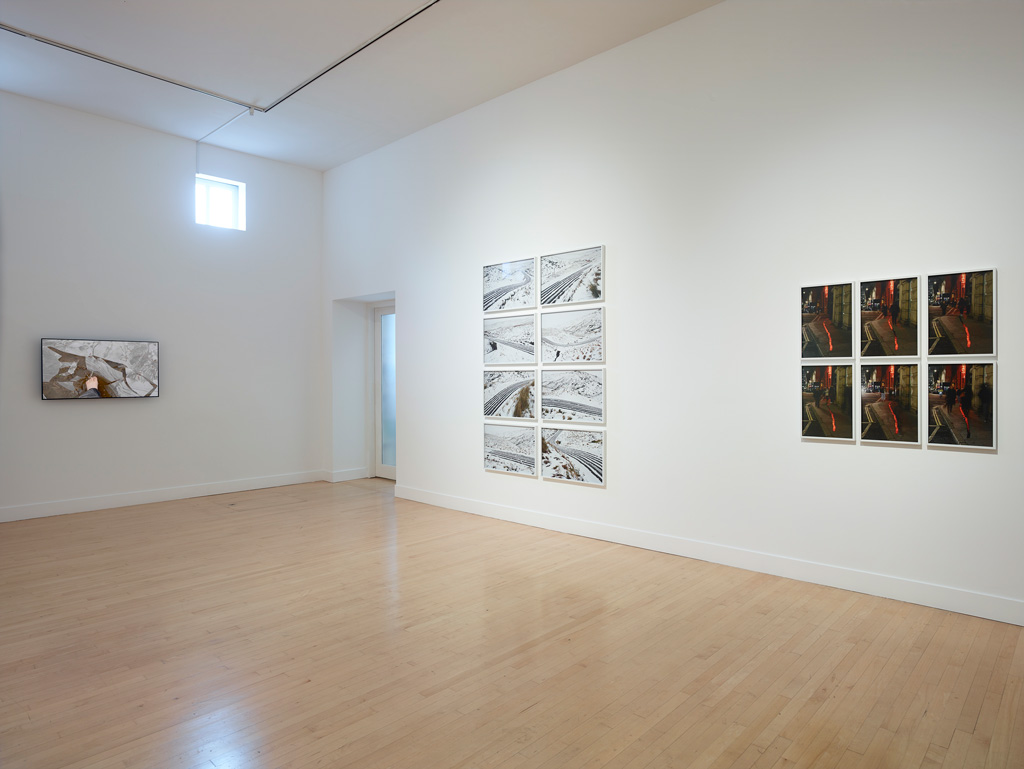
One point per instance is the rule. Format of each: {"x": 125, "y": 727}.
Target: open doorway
{"x": 384, "y": 392}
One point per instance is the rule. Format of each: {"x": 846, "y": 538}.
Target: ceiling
{"x": 448, "y": 56}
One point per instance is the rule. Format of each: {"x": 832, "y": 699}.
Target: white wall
{"x": 724, "y": 162}
{"x": 98, "y": 240}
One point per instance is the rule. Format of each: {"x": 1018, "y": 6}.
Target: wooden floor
{"x": 330, "y": 626}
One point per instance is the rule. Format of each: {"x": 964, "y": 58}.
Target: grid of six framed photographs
{"x": 544, "y": 356}
{"x": 868, "y": 369}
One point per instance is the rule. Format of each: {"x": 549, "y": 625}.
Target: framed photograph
{"x": 961, "y": 405}
{"x": 573, "y": 337}
{"x": 826, "y": 321}
{"x": 888, "y": 317}
{"x": 510, "y": 339}
{"x": 510, "y": 394}
{"x": 961, "y": 313}
{"x": 889, "y": 398}
{"x": 573, "y": 455}
{"x": 575, "y": 395}
{"x": 510, "y": 449}
{"x": 574, "y": 276}
{"x": 510, "y": 285}
{"x": 93, "y": 368}
{"x": 827, "y": 402}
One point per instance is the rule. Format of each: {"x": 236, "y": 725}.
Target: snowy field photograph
{"x": 574, "y": 336}
{"x": 509, "y": 340}
{"x": 575, "y": 276}
{"x": 573, "y": 455}
{"x": 509, "y": 285}
{"x": 509, "y": 449}
{"x": 510, "y": 394}
{"x": 572, "y": 396}
{"x": 90, "y": 368}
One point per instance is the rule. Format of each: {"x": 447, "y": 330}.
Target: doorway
{"x": 384, "y": 392}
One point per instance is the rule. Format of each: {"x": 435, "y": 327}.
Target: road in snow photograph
{"x": 510, "y": 449}
{"x": 573, "y": 455}
{"x": 572, "y": 396}
{"x": 121, "y": 369}
{"x": 573, "y": 336}
{"x": 510, "y": 394}
{"x": 509, "y": 340}
{"x": 574, "y": 276}
{"x": 509, "y": 285}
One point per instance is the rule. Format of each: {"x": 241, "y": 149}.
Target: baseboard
{"x": 85, "y": 504}
{"x": 995, "y": 607}
{"x": 352, "y": 474}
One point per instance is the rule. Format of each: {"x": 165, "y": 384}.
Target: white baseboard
{"x": 85, "y": 504}
{"x": 352, "y": 474}
{"x": 995, "y": 607}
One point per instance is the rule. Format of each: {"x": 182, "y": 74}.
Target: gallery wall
{"x": 98, "y": 240}
{"x": 724, "y": 162}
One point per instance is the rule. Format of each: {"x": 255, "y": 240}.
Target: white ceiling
{"x": 452, "y": 56}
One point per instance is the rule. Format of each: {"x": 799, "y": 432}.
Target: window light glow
{"x": 220, "y": 202}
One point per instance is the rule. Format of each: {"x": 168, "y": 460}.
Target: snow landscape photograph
{"x": 509, "y": 339}
{"x": 572, "y": 396}
{"x": 121, "y": 369}
{"x": 509, "y": 285}
{"x": 509, "y": 449}
{"x": 574, "y": 276}
{"x": 510, "y": 394}
{"x": 573, "y": 336}
{"x": 573, "y": 455}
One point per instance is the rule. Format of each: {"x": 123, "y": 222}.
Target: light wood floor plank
{"x": 330, "y": 625}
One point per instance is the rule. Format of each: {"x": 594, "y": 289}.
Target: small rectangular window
{"x": 220, "y": 202}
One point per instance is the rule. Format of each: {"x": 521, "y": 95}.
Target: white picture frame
{"x": 510, "y": 339}
{"x": 573, "y": 336}
{"x": 573, "y": 395}
{"x": 510, "y": 449}
{"x": 573, "y": 456}
{"x": 510, "y": 285}
{"x": 510, "y": 394}
{"x": 572, "y": 277}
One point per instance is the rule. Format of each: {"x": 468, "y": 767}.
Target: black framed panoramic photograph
{"x": 85, "y": 369}
{"x": 510, "y": 394}
{"x": 510, "y": 339}
{"x": 961, "y": 313}
{"x": 889, "y": 403}
{"x": 575, "y": 395}
{"x": 573, "y": 455}
{"x": 961, "y": 405}
{"x": 510, "y": 285}
{"x": 826, "y": 408}
{"x": 826, "y": 321}
{"x": 575, "y": 336}
{"x": 573, "y": 276}
{"x": 510, "y": 449}
{"x": 888, "y": 317}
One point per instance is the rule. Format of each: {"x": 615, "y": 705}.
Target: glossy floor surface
{"x": 332, "y": 626}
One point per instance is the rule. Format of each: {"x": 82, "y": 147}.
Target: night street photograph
{"x": 889, "y": 403}
{"x": 827, "y": 402}
{"x": 827, "y": 321}
{"x": 961, "y": 313}
{"x": 961, "y": 405}
{"x": 888, "y": 317}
